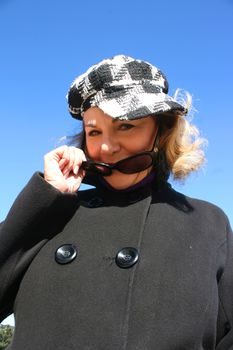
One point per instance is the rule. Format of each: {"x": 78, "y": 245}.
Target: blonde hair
{"x": 181, "y": 143}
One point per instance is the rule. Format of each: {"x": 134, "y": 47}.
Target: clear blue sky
{"x": 46, "y": 44}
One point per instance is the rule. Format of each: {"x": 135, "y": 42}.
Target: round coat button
{"x": 65, "y": 254}
{"x": 127, "y": 257}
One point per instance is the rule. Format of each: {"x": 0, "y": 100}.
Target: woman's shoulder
{"x": 201, "y": 207}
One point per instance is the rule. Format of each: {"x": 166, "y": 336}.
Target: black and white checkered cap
{"x": 124, "y": 88}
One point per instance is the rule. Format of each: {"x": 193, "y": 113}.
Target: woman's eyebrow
{"x": 115, "y": 120}
{"x": 90, "y": 124}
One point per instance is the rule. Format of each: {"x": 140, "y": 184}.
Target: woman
{"x": 130, "y": 263}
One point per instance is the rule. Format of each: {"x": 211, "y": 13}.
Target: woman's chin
{"x": 120, "y": 181}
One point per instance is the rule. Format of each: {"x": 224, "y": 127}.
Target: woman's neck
{"x": 145, "y": 181}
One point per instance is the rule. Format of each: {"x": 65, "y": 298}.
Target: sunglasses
{"x": 130, "y": 165}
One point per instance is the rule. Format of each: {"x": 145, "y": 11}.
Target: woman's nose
{"x": 109, "y": 146}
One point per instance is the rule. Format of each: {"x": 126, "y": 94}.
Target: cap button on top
{"x": 65, "y": 254}
{"x": 127, "y": 257}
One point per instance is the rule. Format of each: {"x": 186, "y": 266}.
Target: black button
{"x": 65, "y": 254}
{"x": 95, "y": 202}
{"x": 127, "y": 257}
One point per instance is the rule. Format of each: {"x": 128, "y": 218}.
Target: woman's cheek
{"x": 92, "y": 149}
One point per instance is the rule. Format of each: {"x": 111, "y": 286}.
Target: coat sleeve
{"x": 38, "y": 213}
{"x": 225, "y": 315}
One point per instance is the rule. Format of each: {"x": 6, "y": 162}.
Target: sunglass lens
{"x": 101, "y": 169}
{"x": 135, "y": 164}
{"x": 96, "y": 168}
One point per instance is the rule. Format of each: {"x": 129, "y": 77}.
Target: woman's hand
{"x": 62, "y": 168}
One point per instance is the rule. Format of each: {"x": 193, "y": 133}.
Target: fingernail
{"x": 76, "y": 169}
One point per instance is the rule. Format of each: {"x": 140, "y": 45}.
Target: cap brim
{"x": 133, "y": 106}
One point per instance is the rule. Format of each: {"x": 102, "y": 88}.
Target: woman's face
{"x": 109, "y": 140}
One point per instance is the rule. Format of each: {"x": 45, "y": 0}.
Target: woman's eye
{"x": 126, "y": 126}
{"x": 93, "y": 133}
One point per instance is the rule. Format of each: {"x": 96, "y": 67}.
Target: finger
{"x": 79, "y": 158}
{"x": 75, "y": 182}
{"x": 62, "y": 163}
{"x": 57, "y": 153}
{"x": 70, "y": 156}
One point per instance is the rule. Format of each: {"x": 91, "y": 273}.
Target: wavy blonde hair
{"x": 181, "y": 143}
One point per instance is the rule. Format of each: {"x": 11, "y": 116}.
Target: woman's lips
{"x": 111, "y": 162}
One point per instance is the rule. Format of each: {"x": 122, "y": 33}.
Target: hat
{"x": 124, "y": 88}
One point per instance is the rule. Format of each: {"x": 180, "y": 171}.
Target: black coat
{"x": 177, "y": 296}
